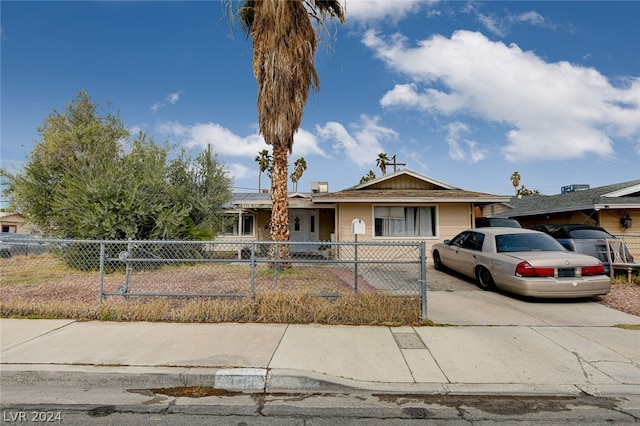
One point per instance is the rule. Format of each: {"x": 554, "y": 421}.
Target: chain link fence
{"x": 222, "y": 269}
{"x": 632, "y": 241}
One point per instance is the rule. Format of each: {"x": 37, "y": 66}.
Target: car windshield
{"x": 526, "y": 242}
{"x": 589, "y": 234}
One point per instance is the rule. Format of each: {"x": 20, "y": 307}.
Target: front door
{"x": 303, "y": 227}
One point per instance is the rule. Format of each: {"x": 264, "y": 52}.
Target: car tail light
{"x": 593, "y": 270}
{"x": 524, "y": 269}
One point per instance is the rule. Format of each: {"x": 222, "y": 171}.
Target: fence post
{"x": 101, "y": 281}
{"x": 127, "y": 270}
{"x": 253, "y": 270}
{"x": 423, "y": 279}
{"x": 355, "y": 261}
{"x": 275, "y": 265}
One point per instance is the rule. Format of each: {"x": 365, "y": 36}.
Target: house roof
{"x": 403, "y": 186}
{"x": 4, "y": 215}
{"x": 256, "y": 200}
{"x": 409, "y": 195}
{"x": 624, "y": 195}
{"x": 406, "y": 186}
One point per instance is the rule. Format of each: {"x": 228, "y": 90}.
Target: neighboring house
{"x": 13, "y": 222}
{"x": 403, "y": 205}
{"x": 614, "y": 207}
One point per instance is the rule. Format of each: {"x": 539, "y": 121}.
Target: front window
{"x": 236, "y": 225}
{"x": 403, "y": 222}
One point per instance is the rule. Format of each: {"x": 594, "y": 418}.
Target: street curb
{"x": 241, "y": 379}
{"x": 256, "y": 380}
{"x": 284, "y": 380}
{"x": 106, "y": 376}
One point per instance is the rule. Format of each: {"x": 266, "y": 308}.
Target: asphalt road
{"x": 327, "y": 409}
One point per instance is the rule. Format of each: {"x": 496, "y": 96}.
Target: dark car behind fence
{"x": 592, "y": 240}
{"x": 12, "y": 244}
{"x": 245, "y": 268}
{"x": 632, "y": 241}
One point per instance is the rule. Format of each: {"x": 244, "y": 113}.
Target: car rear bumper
{"x": 558, "y": 288}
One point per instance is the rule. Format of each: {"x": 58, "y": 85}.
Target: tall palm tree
{"x": 515, "y": 180}
{"x": 300, "y": 166}
{"x": 284, "y": 47}
{"x": 382, "y": 161}
{"x": 264, "y": 162}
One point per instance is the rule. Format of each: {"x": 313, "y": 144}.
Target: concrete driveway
{"x": 457, "y": 300}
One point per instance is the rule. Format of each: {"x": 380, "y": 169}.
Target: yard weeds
{"x": 275, "y": 307}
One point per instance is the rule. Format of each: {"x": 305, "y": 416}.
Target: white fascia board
{"x": 413, "y": 200}
{"x": 616, "y": 206}
{"x": 624, "y": 191}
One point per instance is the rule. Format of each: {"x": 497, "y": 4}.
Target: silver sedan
{"x": 522, "y": 261}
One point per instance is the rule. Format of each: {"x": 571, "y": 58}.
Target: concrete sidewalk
{"x": 495, "y": 344}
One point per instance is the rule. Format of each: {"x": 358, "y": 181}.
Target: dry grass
{"x": 42, "y": 287}
{"x": 277, "y": 307}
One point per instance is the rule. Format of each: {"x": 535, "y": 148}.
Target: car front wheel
{"x": 485, "y": 281}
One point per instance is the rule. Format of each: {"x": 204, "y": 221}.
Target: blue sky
{"x": 463, "y": 92}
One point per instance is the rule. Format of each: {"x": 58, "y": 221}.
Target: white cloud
{"x": 533, "y": 18}
{"x": 375, "y": 10}
{"x": 174, "y": 97}
{"x": 155, "y": 107}
{"x": 226, "y": 142}
{"x": 492, "y": 24}
{"x": 306, "y": 143}
{"x": 552, "y": 110}
{"x": 407, "y": 95}
{"x": 500, "y": 24}
{"x": 240, "y": 171}
{"x": 363, "y": 144}
{"x": 221, "y": 139}
{"x": 473, "y": 154}
{"x": 171, "y": 98}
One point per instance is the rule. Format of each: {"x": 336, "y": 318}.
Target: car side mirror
{"x": 447, "y": 242}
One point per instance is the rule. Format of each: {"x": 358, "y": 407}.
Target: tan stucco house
{"x": 403, "y": 205}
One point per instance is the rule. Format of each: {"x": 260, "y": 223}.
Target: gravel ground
{"x": 623, "y": 297}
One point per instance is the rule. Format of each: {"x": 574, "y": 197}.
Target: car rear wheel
{"x": 437, "y": 262}
{"x": 485, "y": 281}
